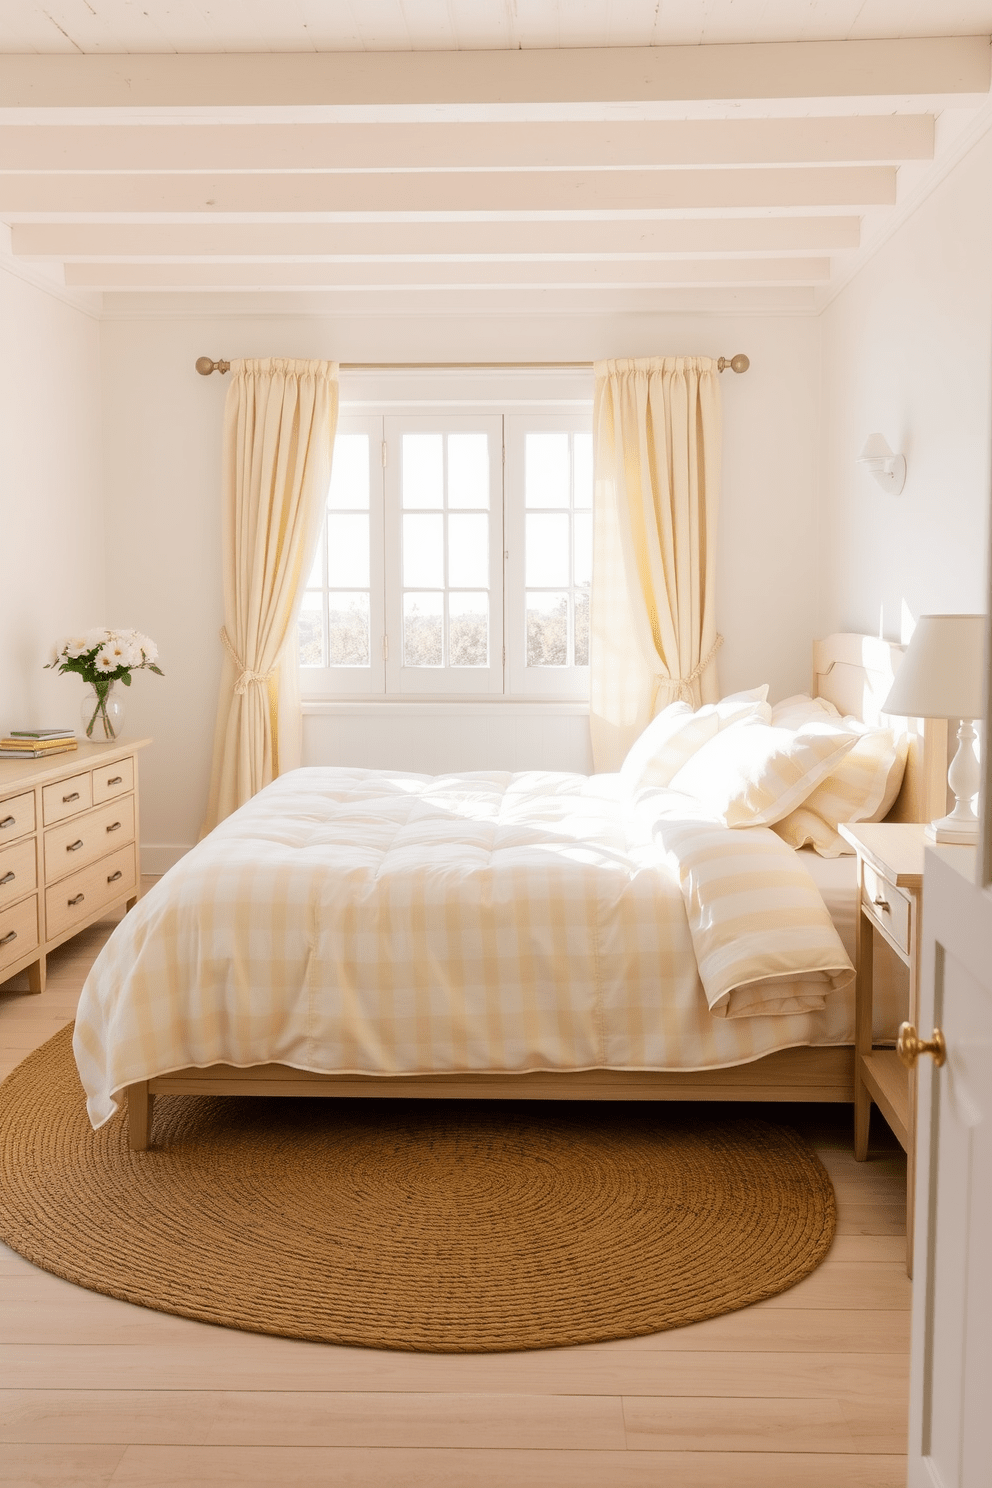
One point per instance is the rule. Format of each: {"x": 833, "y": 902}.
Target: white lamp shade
{"x": 941, "y": 673}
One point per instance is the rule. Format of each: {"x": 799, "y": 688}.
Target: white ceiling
{"x": 451, "y": 25}
{"x": 475, "y": 156}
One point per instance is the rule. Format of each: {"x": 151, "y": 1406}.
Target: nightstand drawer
{"x": 16, "y": 817}
{"x": 18, "y": 871}
{"x": 113, "y": 780}
{"x": 888, "y": 907}
{"x": 88, "y": 837}
{"x": 18, "y": 931}
{"x": 66, "y": 798}
{"x": 78, "y": 897}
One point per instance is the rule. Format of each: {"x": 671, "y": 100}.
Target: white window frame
{"x": 370, "y": 680}
{"x": 523, "y": 680}
{"x": 508, "y": 678}
{"x": 404, "y": 681}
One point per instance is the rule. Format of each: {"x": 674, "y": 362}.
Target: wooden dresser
{"x": 68, "y": 849}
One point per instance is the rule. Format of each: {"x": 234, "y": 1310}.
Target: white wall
{"x": 162, "y": 424}
{"x": 51, "y": 500}
{"x": 907, "y": 349}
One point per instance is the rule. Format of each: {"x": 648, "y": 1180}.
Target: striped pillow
{"x": 793, "y": 712}
{"x": 863, "y": 787}
{"x": 754, "y": 774}
{"x": 672, "y": 738}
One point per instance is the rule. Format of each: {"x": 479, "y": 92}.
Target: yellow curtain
{"x": 656, "y": 455}
{"x": 279, "y": 423}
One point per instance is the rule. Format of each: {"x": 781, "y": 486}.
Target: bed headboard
{"x": 855, "y": 672}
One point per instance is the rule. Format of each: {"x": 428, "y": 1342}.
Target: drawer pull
{"x": 78, "y": 900}
{"x": 73, "y": 797}
{"x": 7, "y": 878}
{"x": 8, "y": 821}
{"x": 75, "y": 846}
{"x": 113, "y": 826}
{"x": 881, "y": 903}
{"x": 116, "y": 780}
{"x": 11, "y": 935}
{"x": 115, "y": 876}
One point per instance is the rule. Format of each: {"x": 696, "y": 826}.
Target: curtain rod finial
{"x": 205, "y": 366}
{"x": 738, "y": 363}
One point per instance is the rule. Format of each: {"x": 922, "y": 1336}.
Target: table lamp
{"x": 941, "y": 677}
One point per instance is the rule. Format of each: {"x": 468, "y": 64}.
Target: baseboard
{"x": 159, "y": 857}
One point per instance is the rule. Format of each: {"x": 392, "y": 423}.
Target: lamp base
{"x": 949, "y": 830}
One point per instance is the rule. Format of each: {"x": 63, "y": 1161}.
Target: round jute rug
{"x": 441, "y": 1226}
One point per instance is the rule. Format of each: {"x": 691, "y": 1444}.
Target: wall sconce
{"x": 887, "y": 469}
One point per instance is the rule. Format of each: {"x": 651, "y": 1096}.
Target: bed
{"x": 588, "y": 990}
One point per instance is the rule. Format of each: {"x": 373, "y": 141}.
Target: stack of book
{"x": 37, "y": 743}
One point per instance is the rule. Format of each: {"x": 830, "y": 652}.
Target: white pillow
{"x": 753, "y": 774}
{"x": 673, "y": 736}
{"x": 863, "y": 787}
{"x": 793, "y": 712}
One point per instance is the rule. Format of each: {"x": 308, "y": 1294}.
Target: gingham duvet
{"x": 360, "y": 921}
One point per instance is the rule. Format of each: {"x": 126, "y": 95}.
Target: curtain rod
{"x": 205, "y": 366}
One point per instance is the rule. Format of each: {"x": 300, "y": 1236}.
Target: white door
{"x": 951, "y": 1384}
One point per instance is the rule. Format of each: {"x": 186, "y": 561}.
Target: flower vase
{"x": 102, "y": 712}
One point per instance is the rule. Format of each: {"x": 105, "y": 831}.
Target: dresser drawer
{"x": 16, "y": 817}
{"x": 66, "y": 798}
{"x": 113, "y": 780}
{"x": 84, "y": 893}
{"x": 18, "y": 870}
{"x": 86, "y": 838}
{"x": 18, "y": 930}
{"x": 888, "y": 906}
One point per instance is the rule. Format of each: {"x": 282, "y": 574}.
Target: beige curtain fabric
{"x": 656, "y": 454}
{"x": 279, "y": 423}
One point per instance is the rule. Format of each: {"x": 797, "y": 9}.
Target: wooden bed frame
{"x": 855, "y": 673}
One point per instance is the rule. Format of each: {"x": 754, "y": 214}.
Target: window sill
{"x": 476, "y": 707}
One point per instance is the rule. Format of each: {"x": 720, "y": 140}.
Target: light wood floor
{"x": 807, "y": 1390}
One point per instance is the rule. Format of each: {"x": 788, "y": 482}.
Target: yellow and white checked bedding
{"x": 359, "y": 921}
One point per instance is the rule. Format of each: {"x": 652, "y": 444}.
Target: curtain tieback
{"x": 245, "y": 676}
{"x": 683, "y": 685}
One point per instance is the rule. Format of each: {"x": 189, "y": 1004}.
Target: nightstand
{"x": 890, "y": 891}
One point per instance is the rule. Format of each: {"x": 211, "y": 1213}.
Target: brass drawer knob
{"x": 7, "y": 878}
{"x": 6, "y": 939}
{"x": 909, "y": 1045}
{"x": 880, "y": 903}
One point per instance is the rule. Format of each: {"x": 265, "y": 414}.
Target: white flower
{"x": 79, "y": 645}
{"x": 96, "y": 637}
{"x": 107, "y": 659}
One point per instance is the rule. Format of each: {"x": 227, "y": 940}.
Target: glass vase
{"x": 102, "y": 712}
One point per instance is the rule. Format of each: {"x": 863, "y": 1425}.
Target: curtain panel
{"x": 656, "y": 456}
{"x": 279, "y": 423}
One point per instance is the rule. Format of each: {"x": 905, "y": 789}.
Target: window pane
{"x": 547, "y": 630}
{"x": 349, "y": 629}
{"x": 468, "y": 470}
{"x": 310, "y": 630}
{"x": 423, "y": 552}
{"x": 423, "y": 470}
{"x": 582, "y": 448}
{"x": 468, "y": 551}
{"x": 350, "y": 472}
{"x": 347, "y": 551}
{"x": 423, "y": 620}
{"x": 468, "y": 630}
{"x": 546, "y": 470}
{"x": 547, "y": 550}
{"x": 582, "y": 537}
{"x": 582, "y": 629}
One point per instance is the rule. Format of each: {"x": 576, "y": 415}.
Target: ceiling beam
{"x": 79, "y": 241}
{"x": 957, "y": 65}
{"x": 421, "y": 195}
{"x": 407, "y": 276}
{"x": 874, "y": 139}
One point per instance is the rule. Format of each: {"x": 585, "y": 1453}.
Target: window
{"x": 455, "y": 558}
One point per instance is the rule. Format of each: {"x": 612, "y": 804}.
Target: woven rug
{"x": 428, "y": 1225}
